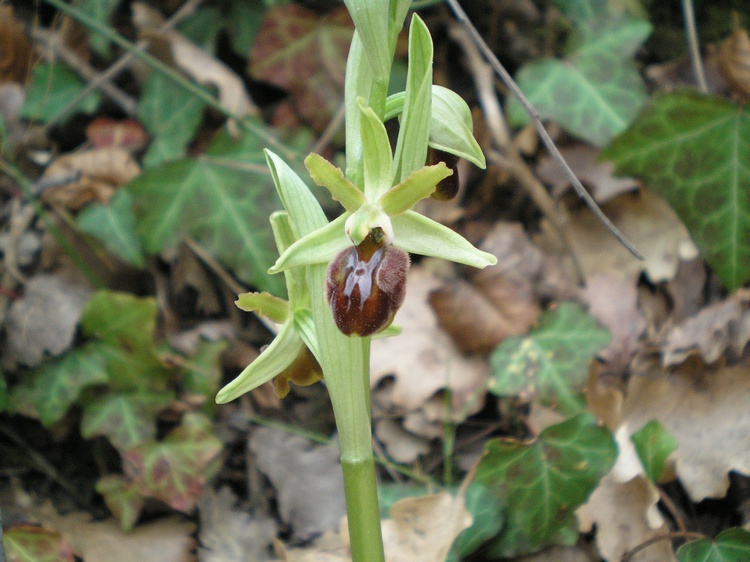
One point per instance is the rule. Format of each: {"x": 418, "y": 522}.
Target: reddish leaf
{"x": 24, "y": 543}
{"x": 106, "y": 132}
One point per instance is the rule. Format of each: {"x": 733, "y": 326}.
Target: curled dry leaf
{"x": 734, "y": 61}
{"x": 16, "y": 52}
{"x": 402, "y": 446}
{"x": 710, "y": 333}
{"x": 90, "y": 175}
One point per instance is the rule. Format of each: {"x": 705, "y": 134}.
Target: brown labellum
{"x": 447, "y": 188}
{"x": 366, "y": 285}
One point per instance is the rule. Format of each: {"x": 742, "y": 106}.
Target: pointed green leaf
{"x": 264, "y": 304}
{"x": 377, "y": 154}
{"x": 203, "y": 371}
{"x": 596, "y": 91}
{"x": 122, "y": 499}
{"x": 320, "y": 246}
{"x": 544, "y": 481}
{"x": 114, "y": 225}
{"x": 411, "y": 147}
{"x": 127, "y": 419}
{"x": 653, "y": 444}
{"x": 731, "y": 545}
{"x": 275, "y": 358}
{"x": 52, "y": 87}
{"x": 357, "y": 85}
{"x": 332, "y": 178}
{"x": 420, "y": 184}
{"x": 692, "y": 150}
{"x": 417, "y": 234}
{"x": 171, "y": 116}
{"x": 221, "y": 199}
{"x": 552, "y": 361}
{"x": 486, "y": 510}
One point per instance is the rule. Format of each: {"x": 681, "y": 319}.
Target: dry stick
{"x": 695, "y": 52}
{"x": 510, "y": 159}
{"x": 549, "y": 143}
{"x": 668, "y": 536}
{"x": 673, "y": 510}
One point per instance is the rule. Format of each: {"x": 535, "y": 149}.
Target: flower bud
{"x": 447, "y": 188}
{"x": 366, "y": 285}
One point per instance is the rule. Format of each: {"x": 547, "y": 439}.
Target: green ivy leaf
{"x": 127, "y": 419}
{"x": 122, "y": 499}
{"x": 176, "y": 469}
{"x": 171, "y": 116}
{"x": 222, "y": 199}
{"x": 731, "y": 545}
{"x": 100, "y": 11}
{"x": 52, "y": 87}
{"x": 203, "y": 369}
{"x": 31, "y": 543}
{"x": 692, "y": 150}
{"x": 654, "y": 444}
{"x": 243, "y": 23}
{"x": 114, "y": 226}
{"x": 551, "y": 362}
{"x": 487, "y": 513}
{"x": 596, "y": 90}
{"x": 544, "y": 481}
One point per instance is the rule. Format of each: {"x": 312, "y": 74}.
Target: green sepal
{"x": 332, "y": 178}
{"x": 273, "y": 360}
{"x": 389, "y": 332}
{"x": 417, "y": 186}
{"x": 283, "y": 233}
{"x": 411, "y": 147}
{"x": 419, "y": 235}
{"x": 305, "y": 326}
{"x": 377, "y": 154}
{"x": 264, "y": 304}
{"x": 367, "y": 218}
{"x": 320, "y": 246}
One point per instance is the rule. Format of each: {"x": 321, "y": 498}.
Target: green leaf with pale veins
{"x": 122, "y": 498}
{"x": 114, "y": 226}
{"x": 127, "y": 419}
{"x": 486, "y": 510}
{"x": 596, "y": 90}
{"x": 551, "y": 362}
{"x": 171, "y": 115}
{"x": 101, "y": 11}
{"x": 52, "y": 87}
{"x": 731, "y": 545}
{"x": 654, "y": 444}
{"x": 25, "y": 542}
{"x": 544, "y": 481}
{"x": 222, "y": 199}
{"x": 694, "y": 150}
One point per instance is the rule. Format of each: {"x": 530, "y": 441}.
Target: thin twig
{"x": 673, "y": 510}
{"x": 695, "y": 53}
{"x": 549, "y": 143}
{"x": 666, "y": 537}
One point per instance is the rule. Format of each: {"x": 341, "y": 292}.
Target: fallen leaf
{"x": 595, "y": 175}
{"x": 16, "y": 54}
{"x": 90, "y": 175}
{"x": 105, "y": 132}
{"x": 734, "y": 61}
{"x": 714, "y": 330}
{"x": 706, "y": 412}
{"x": 686, "y": 289}
{"x": 228, "y": 534}
{"x": 423, "y": 360}
{"x": 44, "y": 321}
{"x": 307, "y": 478}
{"x": 328, "y": 548}
{"x": 422, "y": 529}
{"x": 402, "y": 446}
{"x": 31, "y": 542}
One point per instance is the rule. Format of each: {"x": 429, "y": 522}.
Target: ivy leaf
{"x": 114, "y": 226}
{"x": 222, "y": 199}
{"x": 654, "y": 444}
{"x": 243, "y": 23}
{"x": 551, "y": 362}
{"x": 203, "y": 370}
{"x": 544, "y": 481}
{"x": 126, "y": 419}
{"x": 100, "y": 11}
{"x": 692, "y": 150}
{"x": 175, "y": 469}
{"x": 52, "y": 87}
{"x": 33, "y": 543}
{"x": 731, "y": 545}
{"x": 487, "y": 519}
{"x": 596, "y": 90}
{"x": 122, "y": 499}
{"x": 171, "y": 116}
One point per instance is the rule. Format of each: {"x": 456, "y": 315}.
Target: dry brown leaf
{"x": 402, "y": 446}
{"x": 734, "y": 61}
{"x": 90, "y": 175}
{"x": 15, "y": 49}
{"x": 167, "y": 540}
{"x": 307, "y": 478}
{"x": 646, "y": 220}
{"x": 706, "y": 412}
{"x": 105, "y": 132}
{"x": 328, "y": 548}
{"x": 44, "y": 321}
{"x": 187, "y": 270}
{"x": 423, "y": 529}
{"x": 715, "y": 329}
{"x": 596, "y": 176}
{"x": 423, "y": 360}
{"x": 614, "y": 302}
{"x": 686, "y": 289}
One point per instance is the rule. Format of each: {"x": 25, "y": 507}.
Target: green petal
{"x": 319, "y": 246}
{"x": 332, "y": 178}
{"x": 452, "y": 127}
{"x": 417, "y": 186}
{"x": 265, "y": 304}
{"x": 376, "y": 153}
{"x": 419, "y": 235}
{"x": 273, "y": 360}
{"x": 305, "y": 326}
